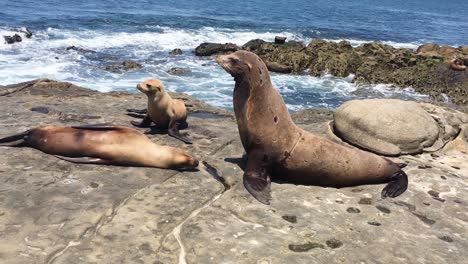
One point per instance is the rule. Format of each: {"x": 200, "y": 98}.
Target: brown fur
{"x": 103, "y": 145}
{"x": 161, "y": 107}
{"x": 266, "y": 127}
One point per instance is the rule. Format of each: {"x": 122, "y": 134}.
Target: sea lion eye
{"x": 148, "y": 85}
{"x": 233, "y": 60}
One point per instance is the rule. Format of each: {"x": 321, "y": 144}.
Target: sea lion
{"x": 165, "y": 112}
{"x": 101, "y": 144}
{"x": 276, "y": 146}
{"x": 457, "y": 64}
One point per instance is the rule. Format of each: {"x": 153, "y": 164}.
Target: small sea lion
{"x": 165, "y": 112}
{"x": 457, "y": 64}
{"x": 276, "y": 146}
{"x": 101, "y": 144}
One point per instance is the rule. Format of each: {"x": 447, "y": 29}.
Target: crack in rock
{"x": 103, "y": 220}
{"x": 178, "y": 229}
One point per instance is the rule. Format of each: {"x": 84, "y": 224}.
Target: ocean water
{"x": 145, "y": 31}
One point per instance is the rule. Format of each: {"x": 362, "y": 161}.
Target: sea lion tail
{"x": 397, "y": 185}
{"x": 16, "y": 140}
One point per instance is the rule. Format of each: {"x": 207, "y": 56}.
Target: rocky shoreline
{"x": 438, "y": 71}
{"x": 52, "y": 211}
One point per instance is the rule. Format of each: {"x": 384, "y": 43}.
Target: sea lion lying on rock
{"x": 165, "y": 112}
{"x": 101, "y": 144}
{"x": 276, "y": 146}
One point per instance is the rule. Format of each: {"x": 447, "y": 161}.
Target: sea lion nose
{"x": 194, "y": 163}
{"x": 221, "y": 59}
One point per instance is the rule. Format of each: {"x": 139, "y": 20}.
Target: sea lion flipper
{"x": 258, "y": 186}
{"x": 16, "y": 140}
{"x": 85, "y": 160}
{"x": 256, "y": 178}
{"x": 397, "y": 185}
{"x": 173, "y": 131}
{"x": 146, "y": 122}
{"x": 137, "y": 111}
{"x": 101, "y": 126}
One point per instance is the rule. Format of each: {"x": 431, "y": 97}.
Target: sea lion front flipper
{"x": 397, "y": 185}
{"x": 101, "y": 126}
{"x": 173, "y": 131}
{"x": 85, "y": 160}
{"x": 256, "y": 178}
{"x": 146, "y": 122}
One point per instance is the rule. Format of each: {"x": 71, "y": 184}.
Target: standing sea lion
{"x": 275, "y": 145}
{"x": 101, "y": 144}
{"x": 165, "y": 112}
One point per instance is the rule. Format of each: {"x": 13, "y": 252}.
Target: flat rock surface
{"x": 52, "y": 211}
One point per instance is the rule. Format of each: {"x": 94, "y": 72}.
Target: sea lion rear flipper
{"x": 146, "y": 122}
{"x": 85, "y": 160}
{"x": 257, "y": 179}
{"x": 173, "y": 131}
{"x": 101, "y": 126}
{"x": 16, "y": 140}
{"x": 397, "y": 185}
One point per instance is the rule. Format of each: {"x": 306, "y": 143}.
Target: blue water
{"x": 146, "y": 31}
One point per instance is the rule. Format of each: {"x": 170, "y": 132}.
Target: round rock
{"x": 386, "y": 126}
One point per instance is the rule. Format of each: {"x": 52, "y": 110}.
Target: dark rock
{"x": 290, "y": 218}
{"x": 27, "y": 33}
{"x": 208, "y": 49}
{"x": 446, "y": 239}
{"x": 178, "y": 71}
{"x": 366, "y": 201}
{"x": 334, "y": 243}
{"x": 305, "y": 247}
{"x": 176, "y": 52}
{"x": 253, "y": 44}
{"x": 123, "y": 66}
{"x": 80, "y": 50}
{"x": 13, "y": 39}
{"x": 373, "y": 223}
{"x": 353, "y": 210}
{"x": 280, "y": 40}
{"x": 383, "y": 209}
{"x": 424, "y": 218}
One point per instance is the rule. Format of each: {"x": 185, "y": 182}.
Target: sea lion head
{"x": 151, "y": 87}
{"x": 244, "y": 66}
{"x": 184, "y": 161}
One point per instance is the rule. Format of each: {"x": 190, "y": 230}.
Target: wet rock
{"x": 176, "y": 52}
{"x": 80, "y": 50}
{"x": 13, "y": 39}
{"x": 121, "y": 67}
{"x": 280, "y": 40}
{"x": 178, "y": 71}
{"x": 208, "y": 49}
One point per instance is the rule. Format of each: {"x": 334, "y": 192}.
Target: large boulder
{"x": 208, "y": 49}
{"x": 387, "y": 126}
